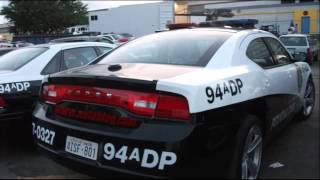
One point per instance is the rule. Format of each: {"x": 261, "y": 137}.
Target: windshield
{"x": 16, "y": 59}
{"x": 294, "y": 41}
{"x": 189, "y": 47}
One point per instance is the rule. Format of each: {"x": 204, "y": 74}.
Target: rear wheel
{"x": 246, "y": 161}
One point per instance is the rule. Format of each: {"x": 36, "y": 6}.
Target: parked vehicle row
{"x": 164, "y": 105}
{"x": 16, "y": 44}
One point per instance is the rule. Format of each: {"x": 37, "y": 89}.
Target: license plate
{"x": 81, "y": 147}
{"x": 291, "y": 50}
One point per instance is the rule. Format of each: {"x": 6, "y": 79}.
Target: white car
{"x": 116, "y": 38}
{"x": 301, "y": 45}
{"x": 22, "y": 70}
{"x": 5, "y": 44}
{"x": 195, "y": 103}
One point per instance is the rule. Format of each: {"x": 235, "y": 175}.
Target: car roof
{"x": 71, "y": 44}
{"x": 226, "y": 30}
{"x": 295, "y": 35}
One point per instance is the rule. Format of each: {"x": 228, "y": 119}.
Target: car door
{"x": 54, "y": 65}
{"x": 76, "y": 57}
{"x": 279, "y": 85}
{"x": 283, "y": 83}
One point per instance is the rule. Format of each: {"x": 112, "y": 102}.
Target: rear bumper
{"x": 187, "y": 142}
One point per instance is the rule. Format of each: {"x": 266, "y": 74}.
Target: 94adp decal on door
{"x": 14, "y": 87}
{"x": 187, "y": 103}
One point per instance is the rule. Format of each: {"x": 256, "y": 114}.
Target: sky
{"x": 92, "y": 5}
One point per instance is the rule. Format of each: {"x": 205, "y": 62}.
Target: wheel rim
{"x": 251, "y": 158}
{"x": 309, "y": 98}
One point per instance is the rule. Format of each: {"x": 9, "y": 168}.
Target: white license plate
{"x": 81, "y": 147}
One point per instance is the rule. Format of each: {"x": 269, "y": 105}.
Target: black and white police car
{"x": 22, "y": 70}
{"x": 175, "y": 103}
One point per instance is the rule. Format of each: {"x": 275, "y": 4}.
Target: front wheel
{"x": 247, "y": 155}
{"x": 309, "y": 101}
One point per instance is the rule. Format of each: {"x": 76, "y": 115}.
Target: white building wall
{"x": 137, "y": 20}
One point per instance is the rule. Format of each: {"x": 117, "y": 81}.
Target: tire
{"x": 249, "y": 132}
{"x": 309, "y": 101}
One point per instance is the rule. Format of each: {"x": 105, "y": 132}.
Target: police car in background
{"x": 176, "y": 103}
{"x": 22, "y": 70}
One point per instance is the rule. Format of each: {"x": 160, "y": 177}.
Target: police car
{"x": 176, "y": 103}
{"x": 22, "y": 70}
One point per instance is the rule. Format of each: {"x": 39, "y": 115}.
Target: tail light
{"x": 140, "y": 103}
{"x": 2, "y": 103}
{"x": 121, "y": 40}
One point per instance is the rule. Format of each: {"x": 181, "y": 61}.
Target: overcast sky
{"x": 92, "y": 5}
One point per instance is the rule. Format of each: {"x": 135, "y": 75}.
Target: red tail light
{"x": 140, "y": 103}
{"x": 2, "y": 103}
{"x": 123, "y": 40}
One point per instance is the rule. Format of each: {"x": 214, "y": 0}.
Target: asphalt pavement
{"x": 294, "y": 153}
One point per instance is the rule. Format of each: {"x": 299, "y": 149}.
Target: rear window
{"x": 294, "y": 41}
{"x": 193, "y": 48}
{"x": 18, "y": 58}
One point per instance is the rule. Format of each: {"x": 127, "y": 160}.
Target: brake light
{"x": 172, "y": 107}
{"x": 2, "y": 103}
{"x": 140, "y": 103}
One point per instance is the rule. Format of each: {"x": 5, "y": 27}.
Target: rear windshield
{"x": 189, "y": 47}
{"x": 16, "y": 59}
{"x": 294, "y": 41}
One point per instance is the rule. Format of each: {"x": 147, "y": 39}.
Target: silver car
{"x": 302, "y": 46}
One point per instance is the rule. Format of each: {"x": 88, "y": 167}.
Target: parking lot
{"x": 296, "y": 149}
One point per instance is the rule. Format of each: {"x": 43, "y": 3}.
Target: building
{"x": 5, "y": 31}
{"x": 137, "y": 20}
{"x": 281, "y": 14}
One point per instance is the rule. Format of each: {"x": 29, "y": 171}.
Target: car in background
{"x": 4, "y": 51}
{"x": 19, "y": 44}
{"x": 316, "y": 37}
{"x": 22, "y": 70}
{"x": 82, "y": 39}
{"x": 116, "y": 38}
{"x": 4, "y": 44}
{"x": 190, "y": 102}
{"x": 301, "y": 45}
{"x": 127, "y": 35}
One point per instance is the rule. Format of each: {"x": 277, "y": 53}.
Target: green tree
{"x": 44, "y": 17}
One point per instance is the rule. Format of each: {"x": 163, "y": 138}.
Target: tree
{"x": 44, "y": 17}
